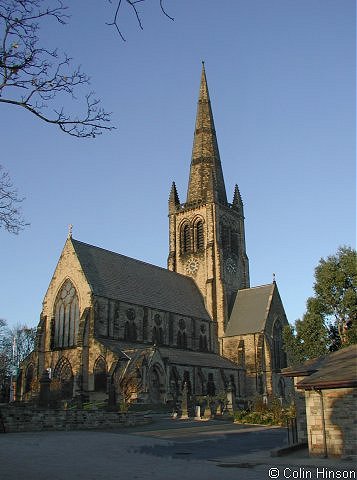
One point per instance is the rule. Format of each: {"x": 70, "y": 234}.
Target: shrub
{"x": 263, "y": 414}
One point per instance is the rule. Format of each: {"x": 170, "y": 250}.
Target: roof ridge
{"x": 133, "y": 259}
{"x": 257, "y": 286}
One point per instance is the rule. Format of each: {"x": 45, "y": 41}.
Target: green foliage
{"x": 308, "y": 339}
{"x": 263, "y": 414}
{"x": 330, "y": 321}
{"x": 336, "y": 288}
{"x": 351, "y": 335}
{"x": 123, "y": 407}
{"x": 92, "y": 406}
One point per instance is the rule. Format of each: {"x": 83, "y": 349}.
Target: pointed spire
{"x": 206, "y": 182}
{"x": 174, "y": 200}
{"x": 237, "y": 199}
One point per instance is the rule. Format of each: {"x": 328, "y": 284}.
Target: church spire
{"x": 206, "y": 182}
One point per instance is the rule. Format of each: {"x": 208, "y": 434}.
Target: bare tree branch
{"x": 38, "y": 79}
{"x": 10, "y": 213}
{"x": 133, "y": 5}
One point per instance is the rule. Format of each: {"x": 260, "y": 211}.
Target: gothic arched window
{"x": 130, "y": 332}
{"x": 66, "y": 316}
{"x": 203, "y": 346}
{"x": 241, "y": 354}
{"x": 199, "y": 237}
{"x": 279, "y": 356}
{"x": 186, "y": 238}
{"x": 157, "y": 336}
{"x": 181, "y": 339}
{"x": 100, "y": 375}
{"x": 64, "y": 375}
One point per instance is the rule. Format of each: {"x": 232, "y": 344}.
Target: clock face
{"x": 192, "y": 266}
{"x": 231, "y": 265}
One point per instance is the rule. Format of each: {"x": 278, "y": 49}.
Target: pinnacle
{"x": 237, "y": 196}
{"x": 174, "y": 198}
{"x": 237, "y": 199}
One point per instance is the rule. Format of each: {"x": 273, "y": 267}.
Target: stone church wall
{"x": 111, "y": 318}
{"x": 68, "y": 267}
{"x": 245, "y": 357}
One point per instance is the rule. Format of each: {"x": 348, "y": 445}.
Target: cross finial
{"x": 273, "y": 277}
{"x": 70, "y": 228}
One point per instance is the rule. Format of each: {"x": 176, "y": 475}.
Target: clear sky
{"x": 281, "y": 76}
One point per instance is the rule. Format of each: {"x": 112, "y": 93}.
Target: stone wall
{"x": 331, "y": 422}
{"x": 29, "y": 419}
{"x": 300, "y": 405}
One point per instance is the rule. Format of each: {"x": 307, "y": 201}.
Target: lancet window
{"x": 199, "y": 237}
{"x": 279, "y": 355}
{"x": 186, "y": 238}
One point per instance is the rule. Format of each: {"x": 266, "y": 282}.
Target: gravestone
{"x": 184, "y": 402}
{"x": 45, "y": 384}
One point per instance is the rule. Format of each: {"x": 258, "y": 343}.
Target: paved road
{"x": 211, "y": 440}
{"x": 164, "y": 450}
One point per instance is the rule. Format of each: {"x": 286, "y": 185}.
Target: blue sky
{"x": 281, "y": 75}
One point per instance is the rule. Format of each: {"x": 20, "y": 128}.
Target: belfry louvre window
{"x": 66, "y": 316}
{"x": 186, "y": 239}
{"x": 199, "y": 236}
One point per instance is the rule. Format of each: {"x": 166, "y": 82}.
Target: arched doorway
{"x": 100, "y": 375}
{"x": 156, "y": 384}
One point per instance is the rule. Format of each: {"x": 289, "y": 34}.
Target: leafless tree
{"x": 38, "y": 79}
{"x": 10, "y": 212}
{"x": 133, "y": 4}
{"x": 17, "y": 342}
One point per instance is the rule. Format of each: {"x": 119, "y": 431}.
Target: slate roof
{"x": 335, "y": 370}
{"x": 118, "y": 277}
{"x": 250, "y": 310}
{"x": 114, "y": 346}
{"x": 175, "y": 356}
{"x": 200, "y": 359}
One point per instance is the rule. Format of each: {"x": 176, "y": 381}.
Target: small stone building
{"x": 326, "y": 400}
{"x": 106, "y": 316}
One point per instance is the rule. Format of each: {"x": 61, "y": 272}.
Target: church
{"x": 111, "y": 324}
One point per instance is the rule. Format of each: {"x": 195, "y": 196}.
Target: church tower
{"x": 206, "y": 234}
